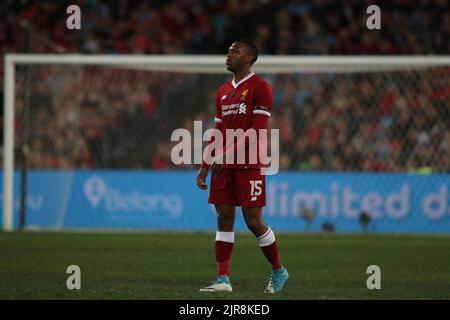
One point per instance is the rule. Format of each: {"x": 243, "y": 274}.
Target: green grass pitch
{"x": 176, "y": 265}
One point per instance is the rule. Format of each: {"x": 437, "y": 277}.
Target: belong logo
{"x": 114, "y": 200}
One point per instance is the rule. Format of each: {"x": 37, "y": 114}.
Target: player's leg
{"x": 224, "y": 238}
{"x": 264, "y": 234}
{"x": 251, "y": 186}
{"x": 268, "y": 244}
{"x": 222, "y": 195}
{"x": 223, "y": 247}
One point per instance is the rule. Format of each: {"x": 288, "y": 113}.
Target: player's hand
{"x": 201, "y": 177}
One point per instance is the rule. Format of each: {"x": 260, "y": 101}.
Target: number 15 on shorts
{"x": 255, "y": 189}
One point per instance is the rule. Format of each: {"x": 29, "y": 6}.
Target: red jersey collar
{"x": 235, "y": 85}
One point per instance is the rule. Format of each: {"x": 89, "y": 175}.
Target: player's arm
{"x": 263, "y": 107}
{"x": 203, "y": 171}
{"x": 261, "y": 111}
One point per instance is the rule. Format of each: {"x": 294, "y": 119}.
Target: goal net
{"x": 364, "y": 142}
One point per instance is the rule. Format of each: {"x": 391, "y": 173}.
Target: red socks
{"x": 270, "y": 249}
{"x": 224, "y": 247}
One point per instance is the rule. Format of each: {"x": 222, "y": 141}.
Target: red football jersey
{"x": 237, "y": 107}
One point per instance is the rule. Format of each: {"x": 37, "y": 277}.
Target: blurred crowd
{"x": 208, "y": 26}
{"x": 364, "y": 122}
{"x": 95, "y": 117}
{"x": 103, "y": 117}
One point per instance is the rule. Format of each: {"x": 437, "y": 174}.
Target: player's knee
{"x": 225, "y": 223}
{"x": 254, "y": 225}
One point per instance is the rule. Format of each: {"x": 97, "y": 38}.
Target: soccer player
{"x": 242, "y": 103}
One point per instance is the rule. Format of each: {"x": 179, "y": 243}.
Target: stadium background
{"x": 80, "y": 123}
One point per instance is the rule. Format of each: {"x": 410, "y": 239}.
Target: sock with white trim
{"x": 224, "y": 247}
{"x": 270, "y": 249}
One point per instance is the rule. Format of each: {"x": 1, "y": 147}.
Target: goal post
{"x": 8, "y": 143}
{"x": 198, "y": 64}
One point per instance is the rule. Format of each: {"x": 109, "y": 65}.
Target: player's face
{"x": 237, "y": 57}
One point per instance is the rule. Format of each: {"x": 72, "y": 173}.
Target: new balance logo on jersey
{"x": 253, "y": 198}
{"x": 242, "y": 108}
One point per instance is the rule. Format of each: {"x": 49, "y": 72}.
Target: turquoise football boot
{"x": 277, "y": 280}
{"x": 222, "y": 284}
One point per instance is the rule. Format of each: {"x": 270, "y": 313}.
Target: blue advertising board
{"x": 170, "y": 200}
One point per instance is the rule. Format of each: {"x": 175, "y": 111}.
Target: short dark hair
{"x": 251, "y": 48}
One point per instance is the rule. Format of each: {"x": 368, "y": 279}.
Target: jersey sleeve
{"x": 218, "y": 113}
{"x": 217, "y": 125}
{"x": 263, "y": 100}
